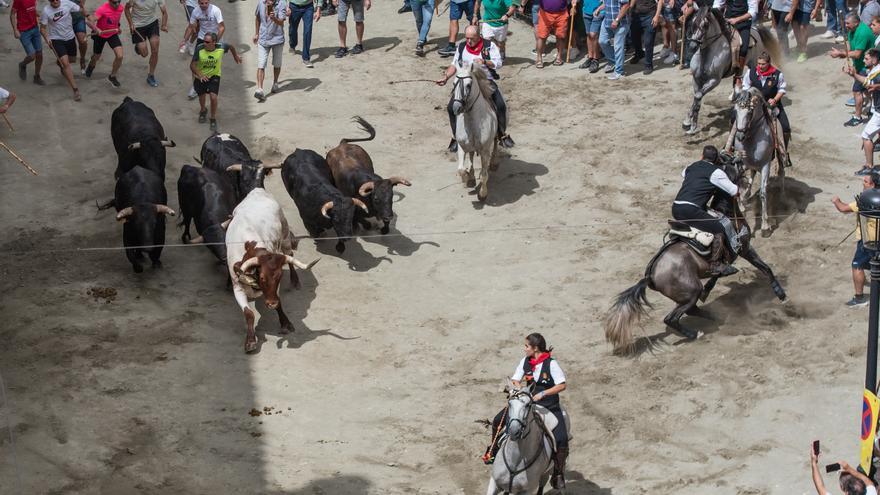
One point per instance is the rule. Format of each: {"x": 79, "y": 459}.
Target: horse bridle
{"x": 513, "y": 472}
{"x": 750, "y": 115}
{"x": 466, "y": 103}
{"x": 702, "y": 30}
{"x": 526, "y": 424}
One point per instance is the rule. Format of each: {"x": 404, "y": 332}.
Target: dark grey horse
{"x": 677, "y": 272}
{"x": 713, "y": 61}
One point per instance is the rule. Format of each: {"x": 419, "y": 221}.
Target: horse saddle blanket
{"x": 697, "y": 239}
{"x": 548, "y": 419}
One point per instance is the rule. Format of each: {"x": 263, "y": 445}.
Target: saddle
{"x": 736, "y": 42}
{"x": 549, "y": 423}
{"x": 698, "y": 240}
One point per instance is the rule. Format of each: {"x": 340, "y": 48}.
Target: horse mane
{"x": 483, "y": 83}
{"x": 722, "y": 24}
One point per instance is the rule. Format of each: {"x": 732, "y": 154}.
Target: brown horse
{"x": 677, "y": 272}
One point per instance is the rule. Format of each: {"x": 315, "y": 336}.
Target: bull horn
{"x": 124, "y": 213}
{"x": 327, "y": 206}
{"x": 225, "y": 224}
{"x": 234, "y": 168}
{"x": 250, "y": 263}
{"x": 360, "y": 204}
{"x": 279, "y": 165}
{"x": 168, "y": 143}
{"x": 299, "y": 264}
{"x": 366, "y": 188}
{"x": 164, "y": 210}
{"x": 399, "y": 180}
{"x": 196, "y": 240}
{"x": 134, "y": 146}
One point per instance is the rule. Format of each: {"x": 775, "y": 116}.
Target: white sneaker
{"x": 181, "y": 48}
{"x": 614, "y": 76}
{"x": 839, "y": 39}
{"x": 192, "y": 95}
{"x": 191, "y": 47}
{"x": 664, "y": 53}
{"x": 671, "y": 58}
{"x": 308, "y": 64}
{"x": 827, "y": 34}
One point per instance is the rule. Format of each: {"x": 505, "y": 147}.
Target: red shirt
{"x": 25, "y": 14}
{"x": 108, "y": 18}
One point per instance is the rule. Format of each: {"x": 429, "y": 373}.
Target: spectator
{"x": 423, "y": 11}
{"x": 782, "y": 16}
{"x": 405, "y": 8}
{"x": 56, "y": 26}
{"x": 497, "y": 14}
{"x": 860, "y": 39}
{"x": 8, "y": 98}
{"x": 143, "y": 20}
{"x": 106, "y": 20}
{"x": 615, "y": 25}
{"x": 358, "y": 7}
{"x": 205, "y": 66}
{"x": 686, "y": 20}
{"x": 801, "y": 13}
{"x": 328, "y": 8}
{"x": 645, "y": 19}
{"x": 269, "y": 38}
{"x": 553, "y": 17}
{"x": 862, "y": 258}
{"x": 206, "y": 18}
{"x": 868, "y": 9}
{"x": 308, "y": 12}
{"x": 593, "y": 12}
{"x": 833, "y": 9}
{"x": 188, "y": 40}
{"x": 458, "y": 9}
{"x": 851, "y": 481}
{"x": 23, "y": 17}
{"x": 871, "y": 82}
{"x": 79, "y": 28}
{"x": 671, "y": 13}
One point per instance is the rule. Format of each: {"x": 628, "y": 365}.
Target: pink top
{"x": 108, "y": 19}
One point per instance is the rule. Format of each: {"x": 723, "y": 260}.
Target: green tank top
{"x": 210, "y": 62}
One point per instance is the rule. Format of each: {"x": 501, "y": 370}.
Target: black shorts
{"x": 99, "y": 42}
{"x": 143, "y": 34}
{"x": 63, "y": 48}
{"x": 212, "y": 85}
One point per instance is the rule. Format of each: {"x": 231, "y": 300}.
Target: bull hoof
{"x": 385, "y": 230}
{"x": 137, "y": 268}
{"x": 250, "y": 347}
{"x": 340, "y": 247}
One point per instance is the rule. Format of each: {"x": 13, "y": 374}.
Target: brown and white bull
{"x": 259, "y": 247}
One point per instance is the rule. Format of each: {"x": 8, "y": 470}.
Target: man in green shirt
{"x": 497, "y": 13}
{"x": 206, "y": 66}
{"x": 860, "y": 39}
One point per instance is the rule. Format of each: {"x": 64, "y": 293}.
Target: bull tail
{"x": 107, "y": 205}
{"x": 771, "y": 44}
{"x": 365, "y": 126}
{"x": 628, "y": 308}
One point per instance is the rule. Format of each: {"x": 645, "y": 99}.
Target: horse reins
{"x": 511, "y": 472}
{"x": 467, "y": 104}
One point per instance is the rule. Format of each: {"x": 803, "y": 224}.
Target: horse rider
{"x": 739, "y": 14}
{"x": 540, "y": 368}
{"x": 770, "y": 81}
{"x": 484, "y": 53}
{"x": 702, "y": 180}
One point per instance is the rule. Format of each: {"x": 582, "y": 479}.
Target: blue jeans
{"x": 832, "y": 6}
{"x": 423, "y": 11}
{"x": 616, "y": 53}
{"x": 643, "y": 37}
{"x": 307, "y": 15}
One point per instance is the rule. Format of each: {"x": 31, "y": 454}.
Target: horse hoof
{"x": 465, "y": 177}
{"x": 482, "y": 195}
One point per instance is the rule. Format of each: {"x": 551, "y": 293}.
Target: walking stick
{"x": 570, "y": 32}
{"x": 8, "y": 123}
{"x": 20, "y": 159}
{"x": 842, "y": 21}
{"x": 683, "y": 39}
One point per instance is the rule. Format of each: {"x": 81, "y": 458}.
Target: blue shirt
{"x": 612, "y": 10}
{"x": 590, "y": 6}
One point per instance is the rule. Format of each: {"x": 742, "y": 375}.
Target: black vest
{"x": 485, "y": 53}
{"x": 770, "y": 87}
{"x": 542, "y": 382}
{"x": 736, "y": 8}
{"x": 875, "y": 95}
{"x": 697, "y": 187}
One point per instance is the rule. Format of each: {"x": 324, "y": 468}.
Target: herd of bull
{"x": 234, "y": 216}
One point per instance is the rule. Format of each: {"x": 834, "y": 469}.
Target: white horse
{"x": 476, "y": 125}
{"x": 525, "y": 458}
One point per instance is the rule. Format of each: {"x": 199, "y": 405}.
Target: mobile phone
{"x": 832, "y": 467}
{"x": 816, "y": 447}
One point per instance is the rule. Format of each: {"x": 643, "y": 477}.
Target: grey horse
{"x": 476, "y": 125}
{"x": 525, "y": 459}
{"x": 713, "y": 61}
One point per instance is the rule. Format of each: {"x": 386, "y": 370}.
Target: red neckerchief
{"x": 540, "y": 359}
{"x": 476, "y": 50}
{"x": 769, "y": 72}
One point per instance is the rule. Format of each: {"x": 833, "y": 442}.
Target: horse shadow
{"x": 785, "y": 197}
{"x": 358, "y": 258}
{"x": 577, "y": 484}
{"x": 296, "y": 303}
{"x": 340, "y": 484}
{"x": 512, "y": 180}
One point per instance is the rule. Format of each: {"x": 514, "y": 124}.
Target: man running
{"x": 78, "y": 20}
{"x": 23, "y": 16}
{"x": 56, "y": 27}
{"x": 188, "y": 41}
{"x": 207, "y": 18}
{"x": 106, "y": 19}
{"x": 269, "y": 38}
{"x": 143, "y": 20}
{"x": 358, "y": 6}
{"x": 205, "y": 66}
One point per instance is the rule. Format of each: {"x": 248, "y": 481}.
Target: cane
{"x": 570, "y": 32}
{"x": 20, "y": 159}
{"x": 8, "y": 123}
{"x": 683, "y": 39}
{"x": 842, "y": 21}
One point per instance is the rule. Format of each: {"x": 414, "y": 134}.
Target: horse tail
{"x": 771, "y": 44}
{"x": 628, "y": 308}
{"x": 365, "y": 126}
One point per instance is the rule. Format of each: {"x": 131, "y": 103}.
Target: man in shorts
{"x": 56, "y": 27}
{"x": 871, "y": 82}
{"x": 593, "y": 13}
{"x": 497, "y": 14}
{"x": 860, "y": 39}
{"x": 358, "y": 6}
{"x": 205, "y": 66}
{"x": 106, "y": 19}
{"x": 23, "y": 16}
{"x": 552, "y": 19}
{"x": 801, "y": 13}
{"x": 269, "y": 38}
{"x": 671, "y": 14}
{"x": 143, "y": 20}
{"x": 781, "y": 15}
{"x": 79, "y": 27}
{"x": 457, "y": 10}
{"x": 188, "y": 40}
{"x": 206, "y": 18}
{"x": 862, "y": 257}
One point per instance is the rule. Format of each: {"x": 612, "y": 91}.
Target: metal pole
{"x": 873, "y": 313}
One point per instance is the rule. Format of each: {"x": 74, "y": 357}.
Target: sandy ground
{"x": 402, "y": 341}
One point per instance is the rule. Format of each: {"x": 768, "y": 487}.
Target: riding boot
{"x": 717, "y": 266}
{"x": 558, "y": 480}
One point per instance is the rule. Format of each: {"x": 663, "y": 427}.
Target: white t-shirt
{"x": 208, "y": 20}
{"x": 145, "y": 12}
{"x": 468, "y": 57}
{"x": 4, "y": 94}
{"x": 555, "y": 372}
{"x": 869, "y": 490}
{"x": 58, "y": 20}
